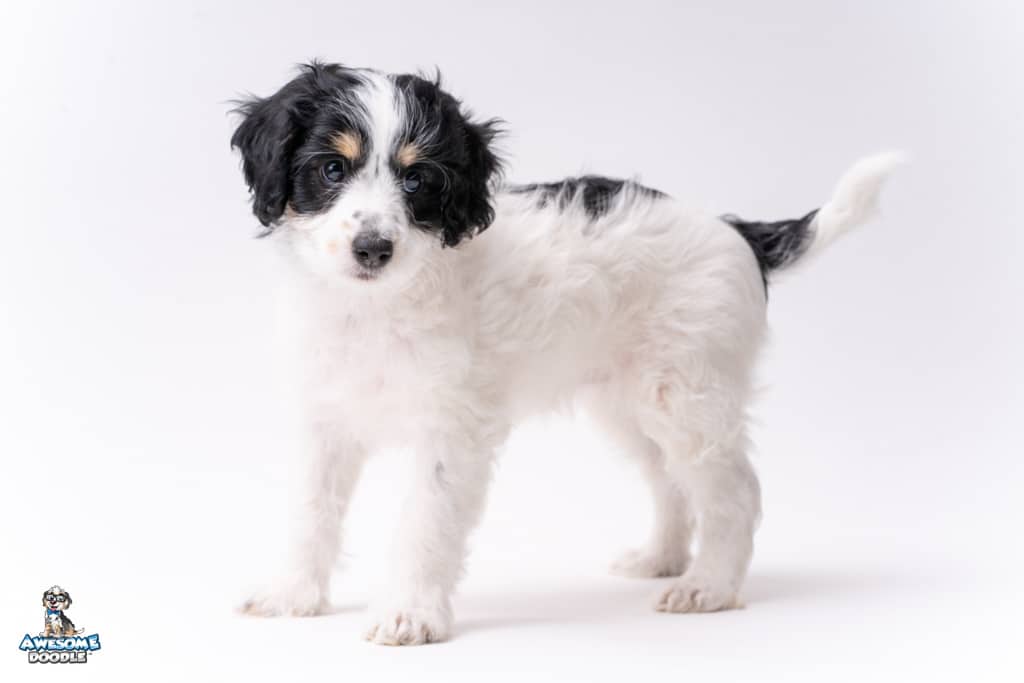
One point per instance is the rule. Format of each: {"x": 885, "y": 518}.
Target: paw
{"x": 292, "y": 598}
{"x": 410, "y": 626}
{"x": 694, "y": 594}
{"x": 645, "y": 564}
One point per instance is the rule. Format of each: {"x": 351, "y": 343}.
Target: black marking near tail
{"x": 777, "y": 244}
{"x": 595, "y": 192}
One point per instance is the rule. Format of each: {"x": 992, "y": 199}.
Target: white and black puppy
{"x": 433, "y": 307}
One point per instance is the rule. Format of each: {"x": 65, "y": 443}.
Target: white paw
{"x": 644, "y": 564}
{"x": 289, "y": 598}
{"x": 694, "y": 594}
{"x": 410, "y": 626}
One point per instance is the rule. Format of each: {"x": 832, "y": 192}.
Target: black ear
{"x": 272, "y": 129}
{"x": 67, "y": 596}
{"x": 467, "y": 207}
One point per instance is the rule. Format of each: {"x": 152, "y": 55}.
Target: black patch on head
{"x": 286, "y": 141}
{"x": 774, "y": 244}
{"x": 457, "y": 162}
{"x": 595, "y": 192}
{"x": 311, "y": 192}
{"x": 275, "y": 129}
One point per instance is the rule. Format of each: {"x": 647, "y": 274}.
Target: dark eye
{"x": 412, "y": 181}
{"x": 333, "y": 171}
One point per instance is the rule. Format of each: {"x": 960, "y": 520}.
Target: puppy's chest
{"x": 379, "y": 374}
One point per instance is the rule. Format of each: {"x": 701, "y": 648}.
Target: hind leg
{"x": 700, "y": 431}
{"x": 667, "y": 551}
{"x": 726, "y": 496}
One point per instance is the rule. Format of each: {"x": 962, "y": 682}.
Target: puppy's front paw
{"x": 645, "y": 564}
{"x": 696, "y": 594}
{"x": 413, "y": 625}
{"x": 289, "y": 598}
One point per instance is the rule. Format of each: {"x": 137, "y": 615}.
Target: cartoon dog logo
{"x": 56, "y": 600}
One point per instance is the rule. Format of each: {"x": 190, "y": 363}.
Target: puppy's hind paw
{"x": 644, "y": 564}
{"x": 286, "y": 599}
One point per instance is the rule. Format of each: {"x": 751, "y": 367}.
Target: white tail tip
{"x": 855, "y": 199}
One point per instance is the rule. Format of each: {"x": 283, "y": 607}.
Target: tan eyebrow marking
{"x": 347, "y": 145}
{"x": 408, "y": 154}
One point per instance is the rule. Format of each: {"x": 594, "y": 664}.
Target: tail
{"x": 854, "y": 202}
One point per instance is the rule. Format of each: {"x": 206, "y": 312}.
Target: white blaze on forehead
{"x": 379, "y": 97}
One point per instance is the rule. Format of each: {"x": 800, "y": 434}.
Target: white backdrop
{"x": 144, "y": 454}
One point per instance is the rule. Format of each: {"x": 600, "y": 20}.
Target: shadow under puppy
{"x": 431, "y": 306}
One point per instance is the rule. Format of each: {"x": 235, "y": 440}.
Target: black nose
{"x": 371, "y": 250}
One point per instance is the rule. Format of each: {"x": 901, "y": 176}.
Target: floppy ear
{"x": 467, "y": 207}
{"x": 44, "y": 599}
{"x": 67, "y": 596}
{"x": 270, "y": 132}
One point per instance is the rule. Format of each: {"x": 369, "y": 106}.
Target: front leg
{"x": 333, "y": 464}
{"x": 449, "y": 488}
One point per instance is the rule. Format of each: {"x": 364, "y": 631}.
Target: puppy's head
{"x": 367, "y": 174}
{"x": 56, "y": 598}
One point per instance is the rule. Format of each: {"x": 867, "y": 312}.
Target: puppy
{"x": 56, "y": 600}
{"x": 432, "y": 306}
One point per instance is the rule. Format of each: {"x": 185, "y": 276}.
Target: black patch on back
{"x": 596, "y": 192}
{"x": 774, "y": 244}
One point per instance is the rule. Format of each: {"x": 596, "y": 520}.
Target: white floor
{"x": 851, "y": 581}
